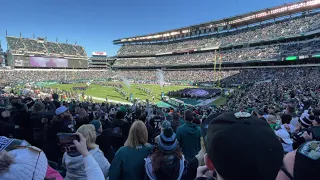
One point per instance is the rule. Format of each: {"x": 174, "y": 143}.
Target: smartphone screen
{"x": 66, "y": 141}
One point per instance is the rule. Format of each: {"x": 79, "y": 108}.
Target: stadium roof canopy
{"x": 226, "y": 23}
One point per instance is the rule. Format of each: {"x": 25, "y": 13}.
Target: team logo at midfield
{"x": 198, "y": 92}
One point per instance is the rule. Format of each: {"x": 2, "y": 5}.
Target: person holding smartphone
{"x": 91, "y": 167}
{"x": 73, "y": 161}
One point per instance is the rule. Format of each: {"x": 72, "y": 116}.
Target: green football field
{"x": 103, "y": 92}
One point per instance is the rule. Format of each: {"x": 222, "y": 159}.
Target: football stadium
{"x": 262, "y": 64}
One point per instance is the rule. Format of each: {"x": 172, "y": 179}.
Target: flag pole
{"x": 220, "y": 69}
{"x": 214, "y": 66}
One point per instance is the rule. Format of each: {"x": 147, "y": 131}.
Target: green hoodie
{"x": 128, "y": 163}
{"x": 188, "y": 136}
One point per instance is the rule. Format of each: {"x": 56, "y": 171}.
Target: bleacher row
{"x": 231, "y": 55}
{"x": 17, "y": 44}
{"x": 23, "y": 76}
{"x": 271, "y": 30}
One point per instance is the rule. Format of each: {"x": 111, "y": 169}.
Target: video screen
{"x": 48, "y": 62}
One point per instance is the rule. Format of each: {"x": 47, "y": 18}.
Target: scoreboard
{"x": 48, "y": 62}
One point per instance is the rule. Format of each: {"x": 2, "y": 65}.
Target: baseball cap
{"x": 284, "y": 135}
{"x": 241, "y": 146}
{"x": 61, "y": 110}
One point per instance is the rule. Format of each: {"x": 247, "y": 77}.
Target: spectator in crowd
{"x": 188, "y": 136}
{"x": 155, "y": 123}
{"x": 175, "y": 121}
{"x": 82, "y": 117}
{"x": 167, "y": 161}
{"x": 20, "y": 117}
{"x": 291, "y": 111}
{"x": 61, "y": 122}
{"x": 253, "y": 159}
{"x": 273, "y": 122}
{"x": 165, "y": 125}
{"x": 25, "y": 162}
{"x": 91, "y": 167}
{"x": 315, "y": 129}
{"x": 302, "y": 164}
{"x": 55, "y": 101}
{"x": 120, "y": 129}
{"x": 103, "y": 139}
{"x": 285, "y": 121}
{"x": 6, "y": 125}
{"x": 74, "y": 161}
{"x": 39, "y": 117}
{"x": 128, "y": 162}
{"x": 64, "y": 120}
{"x": 304, "y": 123}
{"x": 285, "y": 140}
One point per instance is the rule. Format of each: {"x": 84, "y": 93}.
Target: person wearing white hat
{"x": 25, "y": 162}
{"x": 285, "y": 140}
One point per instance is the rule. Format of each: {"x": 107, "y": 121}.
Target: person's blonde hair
{"x": 89, "y": 133}
{"x": 202, "y": 152}
{"x": 138, "y": 135}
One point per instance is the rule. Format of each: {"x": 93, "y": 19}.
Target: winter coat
{"x": 75, "y": 165}
{"x": 188, "y": 136}
{"x": 128, "y": 163}
{"x": 171, "y": 171}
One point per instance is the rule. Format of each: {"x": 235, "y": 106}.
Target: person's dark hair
{"x": 285, "y": 118}
{"x": 120, "y": 114}
{"x": 175, "y": 117}
{"x": 142, "y": 118}
{"x": 291, "y": 109}
{"x": 188, "y": 115}
{"x": 55, "y": 96}
{"x": 56, "y": 119}
{"x": 254, "y": 113}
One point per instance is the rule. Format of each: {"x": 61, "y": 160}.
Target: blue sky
{"x": 96, "y": 23}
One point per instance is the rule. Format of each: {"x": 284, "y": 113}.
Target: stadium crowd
{"x": 231, "y": 55}
{"x": 274, "y": 86}
{"x": 143, "y": 77}
{"x": 177, "y": 77}
{"x": 18, "y": 76}
{"x": 17, "y": 44}
{"x": 271, "y": 30}
{"x": 142, "y": 141}
{"x": 269, "y": 128}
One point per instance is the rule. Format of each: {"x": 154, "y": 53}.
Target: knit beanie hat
{"x": 167, "y": 141}
{"x": 21, "y": 164}
{"x": 306, "y": 120}
{"x": 165, "y": 124}
{"x": 96, "y": 124}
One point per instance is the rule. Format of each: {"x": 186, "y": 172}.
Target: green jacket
{"x": 128, "y": 163}
{"x": 188, "y": 136}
